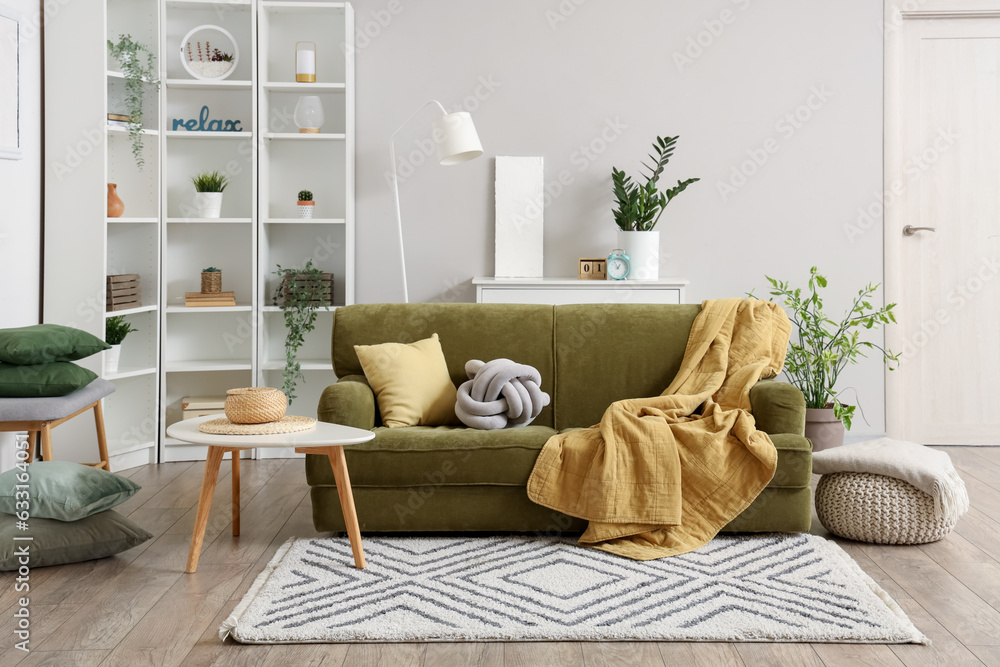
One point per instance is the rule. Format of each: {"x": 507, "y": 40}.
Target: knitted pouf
{"x": 878, "y": 509}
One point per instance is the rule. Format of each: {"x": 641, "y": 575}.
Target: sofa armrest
{"x": 778, "y": 407}
{"x": 350, "y": 402}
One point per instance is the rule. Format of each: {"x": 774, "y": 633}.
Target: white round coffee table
{"x": 326, "y": 440}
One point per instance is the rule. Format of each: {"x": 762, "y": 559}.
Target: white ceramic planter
{"x": 643, "y": 250}
{"x": 208, "y": 204}
{"x": 306, "y": 211}
{"x": 111, "y": 359}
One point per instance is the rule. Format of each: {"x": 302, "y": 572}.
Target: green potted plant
{"x": 139, "y": 68}
{"x": 211, "y": 280}
{"x": 115, "y": 330}
{"x": 208, "y": 188}
{"x": 306, "y": 205}
{"x": 638, "y": 207}
{"x": 300, "y": 293}
{"x": 825, "y": 347}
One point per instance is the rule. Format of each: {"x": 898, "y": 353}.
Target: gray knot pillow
{"x": 500, "y": 394}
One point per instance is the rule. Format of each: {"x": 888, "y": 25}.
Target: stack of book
{"x": 119, "y": 120}
{"x": 199, "y": 406}
{"x": 206, "y": 299}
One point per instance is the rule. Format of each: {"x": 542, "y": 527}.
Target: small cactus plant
{"x": 305, "y": 195}
{"x": 306, "y": 205}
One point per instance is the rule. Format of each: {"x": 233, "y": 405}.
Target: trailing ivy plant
{"x": 639, "y": 207}
{"x": 297, "y": 293}
{"x": 824, "y": 346}
{"x": 139, "y": 67}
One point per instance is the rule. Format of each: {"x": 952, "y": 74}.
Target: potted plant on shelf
{"x": 138, "y": 67}
{"x": 639, "y": 207}
{"x": 115, "y": 330}
{"x": 823, "y": 349}
{"x": 300, "y": 293}
{"x": 208, "y": 187}
{"x": 211, "y": 280}
{"x": 306, "y": 205}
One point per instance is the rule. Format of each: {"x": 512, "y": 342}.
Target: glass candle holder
{"x": 309, "y": 114}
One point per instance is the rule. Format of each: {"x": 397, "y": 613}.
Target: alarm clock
{"x": 618, "y": 265}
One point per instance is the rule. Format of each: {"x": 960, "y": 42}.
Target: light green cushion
{"x": 45, "y": 343}
{"x": 58, "y": 543}
{"x": 55, "y": 379}
{"x": 63, "y": 490}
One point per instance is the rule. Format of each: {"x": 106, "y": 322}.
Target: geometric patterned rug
{"x": 773, "y": 588}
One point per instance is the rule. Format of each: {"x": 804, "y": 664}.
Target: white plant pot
{"x": 643, "y": 250}
{"x": 208, "y": 204}
{"x": 306, "y": 212}
{"x": 111, "y": 359}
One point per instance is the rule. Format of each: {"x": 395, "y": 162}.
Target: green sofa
{"x": 452, "y": 478}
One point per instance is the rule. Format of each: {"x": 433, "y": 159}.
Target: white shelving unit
{"x": 180, "y": 351}
{"x": 291, "y": 161}
{"x": 83, "y": 245}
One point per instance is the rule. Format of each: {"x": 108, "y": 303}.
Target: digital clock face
{"x": 618, "y": 267}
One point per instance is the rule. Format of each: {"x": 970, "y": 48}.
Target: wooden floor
{"x": 140, "y": 608}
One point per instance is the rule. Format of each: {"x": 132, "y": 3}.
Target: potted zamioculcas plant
{"x": 211, "y": 280}
{"x": 825, "y": 347}
{"x": 306, "y": 205}
{"x": 640, "y": 206}
{"x": 208, "y": 187}
{"x": 115, "y": 330}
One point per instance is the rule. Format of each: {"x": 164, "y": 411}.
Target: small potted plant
{"x": 208, "y": 187}
{"x": 823, "y": 349}
{"x": 306, "y": 205}
{"x": 300, "y": 293}
{"x": 640, "y": 206}
{"x": 115, "y": 330}
{"x": 211, "y": 280}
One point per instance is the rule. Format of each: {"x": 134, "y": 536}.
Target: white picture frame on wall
{"x": 10, "y": 84}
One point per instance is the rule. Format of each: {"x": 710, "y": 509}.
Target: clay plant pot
{"x": 115, "y": 204}
{"x": 823, "y": 429}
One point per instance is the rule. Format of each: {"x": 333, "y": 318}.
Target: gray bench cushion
{"x": 53, "y": 407}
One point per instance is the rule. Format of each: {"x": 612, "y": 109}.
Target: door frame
{"x": 896, "y": 14}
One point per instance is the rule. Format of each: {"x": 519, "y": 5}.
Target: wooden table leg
{"x": 339, "y": 464}
{"x": 215, "y": 455}
{"x": 236, "y": 494}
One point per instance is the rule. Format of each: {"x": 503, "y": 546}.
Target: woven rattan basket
{"x": 211, "y": 282}
{"x": 878, "y": 509}
{"x": 255, "y": 405}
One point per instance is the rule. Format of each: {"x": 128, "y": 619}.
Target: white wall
{"x": 20, "y": 187}
{"x": 550, "y": 78}
{"x": 20, "y": 199}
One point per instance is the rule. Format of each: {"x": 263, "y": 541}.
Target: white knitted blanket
{"x": 930, "y": 470}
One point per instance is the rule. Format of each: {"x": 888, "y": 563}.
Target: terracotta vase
{"x": 115, "y": 204}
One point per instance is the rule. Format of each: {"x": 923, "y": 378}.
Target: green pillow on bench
{"x": 58, "y": 378}
{"x": 45, "y": 343}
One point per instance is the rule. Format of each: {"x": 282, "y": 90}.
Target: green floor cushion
{"x": 63, "y": 490}
{"x": 438, "y": 455}
{"x": 58, "y": 378}
{"x": 45, "y": 343}
{"x": 58, "y": 542}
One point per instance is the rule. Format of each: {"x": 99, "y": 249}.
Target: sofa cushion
{"x": 438, "y": 455}
{"x": 606, "y": 353}
{"x": 45, "y": 343}
{"x": 410, "y": 381}
{"x": 467, "y": 330}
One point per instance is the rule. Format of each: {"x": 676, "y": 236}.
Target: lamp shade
{"x": 309, "y": 114}
{"x": 456, "y": 137}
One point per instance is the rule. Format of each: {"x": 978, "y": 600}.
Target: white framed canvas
{"x": 520, "y": 203}
{"x": 10, "y": 84}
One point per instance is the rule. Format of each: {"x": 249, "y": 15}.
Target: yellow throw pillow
{"x": 410, "y": 381}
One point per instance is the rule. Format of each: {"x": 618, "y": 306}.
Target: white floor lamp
{"x": 457, "y": 141}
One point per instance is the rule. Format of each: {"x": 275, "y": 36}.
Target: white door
{"x": 943, "y": 173}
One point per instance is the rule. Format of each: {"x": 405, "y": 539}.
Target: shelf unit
{"x": 291, "y": 161}
{"x": 82, "y": 244}
{"x": 180, "y": 351}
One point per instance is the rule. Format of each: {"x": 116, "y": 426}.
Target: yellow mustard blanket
{"x": 661, "y": 476}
